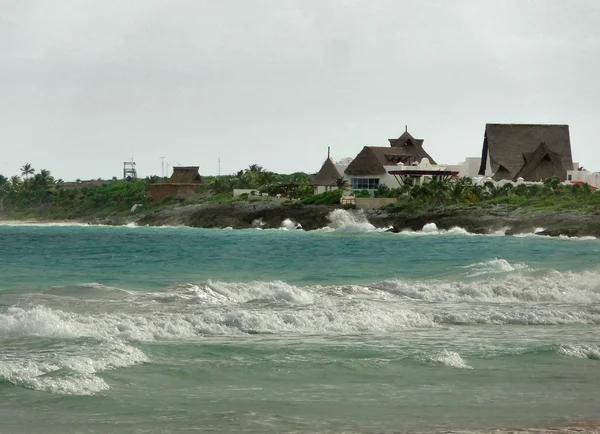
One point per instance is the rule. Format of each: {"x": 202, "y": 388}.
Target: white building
{"x": 372, "y": 165}
{"x": 582, "y": 176}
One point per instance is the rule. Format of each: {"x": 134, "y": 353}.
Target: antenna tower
{"x": 129, "y": 170}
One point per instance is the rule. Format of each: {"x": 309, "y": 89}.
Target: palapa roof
{"x": 327, "y": 176}
{"x": 512, "y": 147}
{"x": 372, "y": 159}
{"x": 412, "y": 146}
{"x": 541, "y": 164}
{"x": 185, "y": 175}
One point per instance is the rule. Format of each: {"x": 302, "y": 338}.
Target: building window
{"x": 569, "y": 177}
{"x": 365, "y": 183}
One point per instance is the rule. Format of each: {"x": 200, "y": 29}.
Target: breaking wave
{"x": 447, "y": 358}
{"x": 350, "y": 221}
{"x": 101, "y": 329}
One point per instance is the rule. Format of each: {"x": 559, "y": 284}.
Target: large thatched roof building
{"x": 531, "y": 152}
{"x": 371, "y": 161}
{"x": 371, "y": 166}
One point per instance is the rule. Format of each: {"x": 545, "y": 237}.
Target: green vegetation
{"x": 551, "y": 195}
{"x": 327, "y": 198}
{"x": 40, "y": 195}
{"x": 293, "y": 186}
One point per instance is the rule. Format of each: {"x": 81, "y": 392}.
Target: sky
{"x": 86, "y": 85}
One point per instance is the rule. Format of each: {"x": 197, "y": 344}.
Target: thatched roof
{"x": 541, "y": 164}
{"x": 372, "y": 159}
{"x": 412, "y": 146}
{"x": 185, "y": 175}
{"x": 327, "y": 176}
{"x": 512, "y": 146}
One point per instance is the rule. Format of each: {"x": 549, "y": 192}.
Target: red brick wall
{"x": 178, "y": 191}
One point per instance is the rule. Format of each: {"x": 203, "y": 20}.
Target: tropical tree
{"x": 220, "y": 185}
{"x": 44, "y": 177}
{"x": 255, "y": 168}
{"x": 27, "y": 170}
{"x": 341, "y": 183}
{"x": 15, "y": 181}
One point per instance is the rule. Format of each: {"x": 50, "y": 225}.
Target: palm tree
{"x": 15, "y": 181}
{"x": 46, "y": 177}
{"x": 255, "y": 168}
{"x": 27, "y": 170}
{"x": 341, "y": 183}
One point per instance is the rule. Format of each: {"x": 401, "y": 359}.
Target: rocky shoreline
{"x": 475, "y": 219}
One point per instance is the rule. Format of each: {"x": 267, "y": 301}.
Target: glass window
{"x": 365, "y": 183}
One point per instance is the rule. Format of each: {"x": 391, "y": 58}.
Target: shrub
{"x": 327, "y": 198}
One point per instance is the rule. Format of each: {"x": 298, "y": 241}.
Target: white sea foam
{"x": 290, "y": 225}
{"x": 493, "y": 266}
{"x": 511, "y": 287}
{"x": 580, "y": 351}
{"x": 38, "y": 376}
{"x": 229, "y": 308}
{"x": 236, "y": 292}
{"x": 70, "y": 372}
{"x": 448, "y": 358}
{"x": 342, "y": 220}
{"x": 432, "y": 229}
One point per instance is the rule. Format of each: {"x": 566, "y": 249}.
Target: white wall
{"x": 322, "y": 189}
{"x": 591, "y": 178}
{"x": 468, "y": 168}
{"x": 488, "y": 166}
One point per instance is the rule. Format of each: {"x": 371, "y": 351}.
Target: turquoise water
{"x": 125, "y": 329}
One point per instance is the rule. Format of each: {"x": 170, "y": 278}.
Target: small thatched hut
{"x": 185, "y": 175}
{"x": 326, "y": 179}
{"x": 182, "y": 184}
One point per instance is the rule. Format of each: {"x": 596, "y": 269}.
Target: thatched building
{"x": 327, "y": 177}
{"x": 531, "y": 152}
{"x": 371, "y": 166}
{"x": 182, "y": 184}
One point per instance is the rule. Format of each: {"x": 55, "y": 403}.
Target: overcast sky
{"x": 88, "y": 84}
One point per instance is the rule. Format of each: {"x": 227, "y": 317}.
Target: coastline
{"x": 243, "y": 215}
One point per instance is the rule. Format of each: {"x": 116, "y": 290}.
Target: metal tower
{"x": 129, "y": 171}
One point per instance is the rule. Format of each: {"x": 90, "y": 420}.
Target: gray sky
{"x": 87, "y": 84}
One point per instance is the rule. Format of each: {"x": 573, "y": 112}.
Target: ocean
{"x": 346, "y": 329}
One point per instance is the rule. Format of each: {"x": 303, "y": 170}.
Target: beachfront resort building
{"x": 392, "y": 165}
{"x": 529, "y": 152}
{"x": 182, "y": 184}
